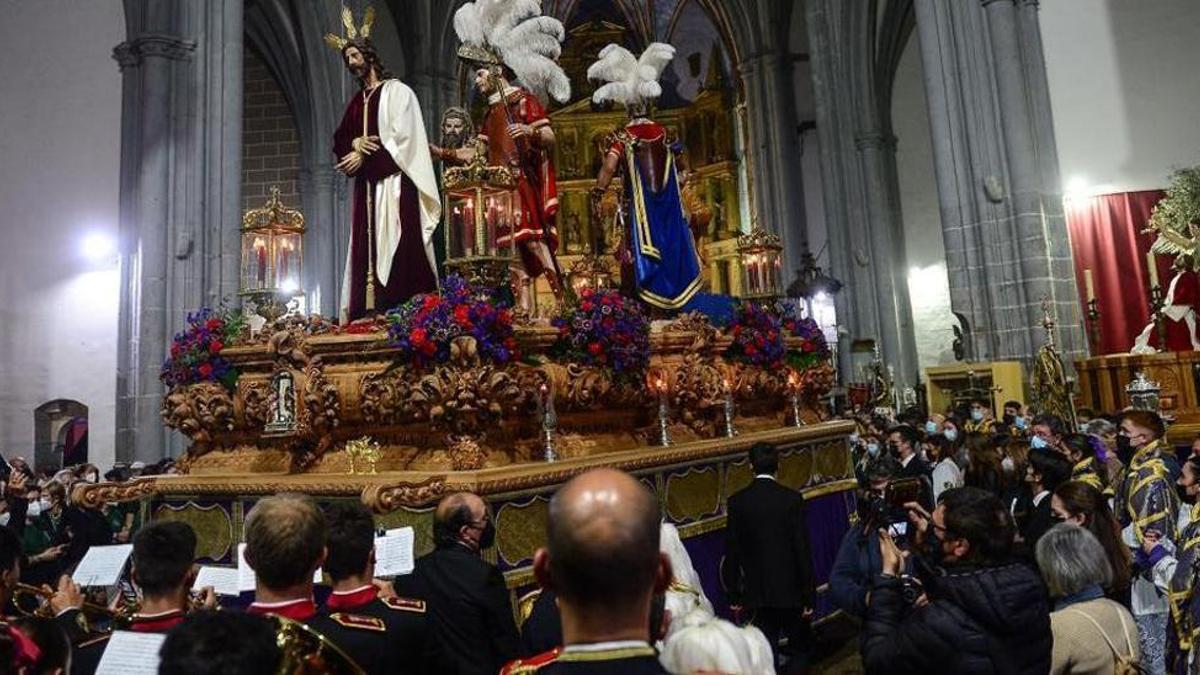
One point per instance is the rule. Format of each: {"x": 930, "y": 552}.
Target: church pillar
{"x": 180, "y": 194}
{"x": 1006, "y": 240}
{"x": 774, "y": 153}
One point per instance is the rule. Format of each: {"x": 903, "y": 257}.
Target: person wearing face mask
{"x": 467, "y": 602}
{"x": 1145, "y": 502}
{"x": 1086, "y": 464}
{"x": 1174, "y": 565}
{"x": 1047, "y": 470}
{"x": 1014, "y": 419}
{"x": 1084, "y": 505}
{"x": 982, "y": 421}
{"x": 946, "y": 474}
{"x": 1048, "y": 431}
{"x": 982, "y": 612}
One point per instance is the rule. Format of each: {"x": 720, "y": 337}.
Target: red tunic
{"x": 410, "y": 273}
{"x": 536, "y": 181}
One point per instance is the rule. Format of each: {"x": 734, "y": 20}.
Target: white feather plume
{"x": 630, "y": 80}
{"x": 526, "y": 41}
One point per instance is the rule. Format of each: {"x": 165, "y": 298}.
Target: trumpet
{"x": 41, "y": 601}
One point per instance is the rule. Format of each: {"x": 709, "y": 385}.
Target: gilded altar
{"x": 1103, "y": 379}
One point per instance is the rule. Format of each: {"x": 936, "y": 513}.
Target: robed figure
{"x": 660, "y": 253}
{"x": 381, "y": 143}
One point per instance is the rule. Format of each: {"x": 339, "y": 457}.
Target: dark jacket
{"x": 979, "y": 621}
{"x": 469, "y": 610}
{"x": 767, "y": 556}
{"x": 1041, "y": 519}
{"x": 858, "y": 561}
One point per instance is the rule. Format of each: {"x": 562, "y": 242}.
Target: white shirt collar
{"x": 904, "y": 462}
{"x": 1037, "y": 499}
{"x": 604, "y": 646}
{"x": 360, "y": 589}
{"x": 764, "y": 475}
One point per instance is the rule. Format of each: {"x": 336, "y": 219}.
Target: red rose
{"x": 431, "y": 301}
{"x": 428, "y": 349}
{"x": 595, "y": 348}
{"x": 213, "y": 324}
{"x": 586, "y": 306}
{"x": 587, "y": 293}
{"x": 750, "y": 350}
{"x": 417, "y": 336}
{"x": 175, "y": 351}
{"x": 215, "y": 346}
{"x": 205, "y": 370}
{"x": 737, "y": 331}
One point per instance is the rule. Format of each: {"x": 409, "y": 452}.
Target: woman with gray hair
{"x": 1091, "y": 633}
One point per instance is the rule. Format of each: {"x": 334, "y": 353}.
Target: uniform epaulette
{"x": 359, "y": 621}
{"x": 405, "y": 604}
{"x": 93, "y": 641}
{"x": 532, "y": 664}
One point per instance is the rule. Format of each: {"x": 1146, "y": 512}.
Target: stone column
{"x": 180, "y": 194}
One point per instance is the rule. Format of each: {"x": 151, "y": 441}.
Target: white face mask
{"x": 977, "y": 415}
{"x": 1008, "y": 465}
{"x": 35, "y": 509}
{"x": 4, "y": 518}
{"x": 950, "y": 434}
{"x": 92, "y": 478}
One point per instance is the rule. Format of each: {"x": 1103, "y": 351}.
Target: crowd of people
{"x": 1020, "y": 544}
{"x": 982, "y": 544}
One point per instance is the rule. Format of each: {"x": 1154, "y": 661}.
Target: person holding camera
{"x": 858, "y": 559}
{"x": 982, "y": 613}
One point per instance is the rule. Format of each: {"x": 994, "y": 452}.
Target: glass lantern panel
{"x": 287, "y": 261}
{"x": 461, "y": 225}
{"x": 255, "y": 259}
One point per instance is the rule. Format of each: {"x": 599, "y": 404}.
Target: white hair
{"x": 711, "y": 645}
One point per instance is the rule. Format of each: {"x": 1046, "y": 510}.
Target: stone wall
{"x": 270, "y": 144}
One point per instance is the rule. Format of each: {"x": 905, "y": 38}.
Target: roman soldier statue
{"x": 659, "y": 251}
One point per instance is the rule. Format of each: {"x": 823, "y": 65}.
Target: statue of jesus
{"x": 382, "y": 144}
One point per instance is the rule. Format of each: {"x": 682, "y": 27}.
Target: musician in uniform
{"x": 603, "y": 562}
{"x": 350, "y": 566}
{"x": 162, "y": 569}
{"x": 285, "y": 545}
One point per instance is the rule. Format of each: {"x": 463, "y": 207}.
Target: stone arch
{"x": 59, "y": 426}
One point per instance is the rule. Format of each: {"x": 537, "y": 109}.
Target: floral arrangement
{"x": 196, "y": 352}
{"x": 423, "y": 328}
{"x": 604, "y": 329}
{"x": 813, "y": 349}
{"x": 757, "y": 334}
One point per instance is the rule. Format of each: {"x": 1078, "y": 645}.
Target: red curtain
{"x": 1107, "y": 238}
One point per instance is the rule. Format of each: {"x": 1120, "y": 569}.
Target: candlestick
{"x": 1153, "y": 268}
{"x": 795, "y": 418}
{"x": 1091, "y": 288}
{"x": 664, "y": 414}
{"x": 730, "y": 430}
{"x": 549, "y": 423}
{"x": 1156, "y": 313}
{"x": 1093, "y": 318}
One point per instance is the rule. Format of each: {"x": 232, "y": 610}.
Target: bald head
{"x": 602, "y": 540}
{"x": 455, "y": 512}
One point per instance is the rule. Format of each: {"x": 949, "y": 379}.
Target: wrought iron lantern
{"x": 590, "y": 272}
{"x": 482, "y": 210}
{"x": 272, "y": 255}
{"x": 761, "y": 254}
{"x": 1143, "y": 393}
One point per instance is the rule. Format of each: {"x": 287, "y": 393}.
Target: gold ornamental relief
{"x": 796, "y": 467}
{"x": 832, "y": 462}
{"x": 693, "y": 494}
{"x": 212, "y": 524}
{"x": 256, "y": 403}
{"x": 738, "y": 476}
{"x": 521, "y": 529}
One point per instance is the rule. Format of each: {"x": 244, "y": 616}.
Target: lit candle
{"x": 1091, "y": 288}
{"x": 285, "y": 259}
{"x": 468, "y": 230}
{"x": 1153, "y": 268}
{"x": 260, "y": 250}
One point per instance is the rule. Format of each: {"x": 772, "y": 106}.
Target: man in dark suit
{"x": 904, "y": 442}
{"x": 468, "y": 604}
{"x": 602, "y": 561}
{"x": 768, "y": 569}
{"x": 350, "y": 566}
{"x": 1047, "y": 470}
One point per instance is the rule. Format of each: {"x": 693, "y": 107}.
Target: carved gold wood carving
{"x": 387, "y": 497}
{"x": 321, "y": 413}
{"x": 95, "y": 495}
{"x": 466, "y": 396}
{"x": 698, "y": 394}
{"x": 199, "y": 411}
{"x": 256, "y": 398}
{"x": 693, "y": 494}
{"x": 387, "y": 397}
{"x": 211, "y": 522}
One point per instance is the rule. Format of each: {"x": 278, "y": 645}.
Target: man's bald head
{"x": 453, "y": 513}
{"x": 602, "y": 540}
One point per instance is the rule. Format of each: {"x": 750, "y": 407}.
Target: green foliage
{"x": 1181, "y": 207}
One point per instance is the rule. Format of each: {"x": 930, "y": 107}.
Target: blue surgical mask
{"x": 977, "y": 415}
{"x": 951, "y": 434}
{"x": 873, "y": 449}
{"x": 931, "y": 427}
{"x": 1037, "y": 443}
{"x": 1020, "y": 423}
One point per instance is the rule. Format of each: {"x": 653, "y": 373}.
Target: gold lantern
{"x": 482, "y": 210}
{"x": 760, "y": 252}
{"x": 272, "y": 255}
{"x": 591, "y": 272}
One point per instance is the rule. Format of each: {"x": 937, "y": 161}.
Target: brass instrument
{"x": 42, "y": 597}
{"x": 307, "y": 652}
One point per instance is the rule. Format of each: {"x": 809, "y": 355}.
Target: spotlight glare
{"x": 97, "y": 246}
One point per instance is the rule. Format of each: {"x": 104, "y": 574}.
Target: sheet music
{"x": 129, "y": 653}
{"x": 102, "y": 565}
{"x": 245, "y": 573}
{"x": 224, "y": 580}
{"x": 394, "y": 552}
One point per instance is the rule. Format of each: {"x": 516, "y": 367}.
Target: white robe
{"x": 402, "y": 135}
